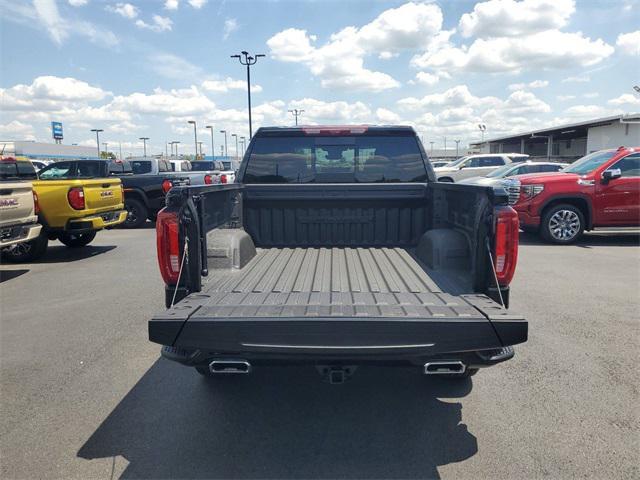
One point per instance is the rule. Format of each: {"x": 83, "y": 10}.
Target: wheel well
{"x": 580, "y": 203}
{"x": 445, "y": 179}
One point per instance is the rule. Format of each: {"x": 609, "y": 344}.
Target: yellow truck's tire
{"x": 77, "y": 240}
{"x": 27, "y": 251}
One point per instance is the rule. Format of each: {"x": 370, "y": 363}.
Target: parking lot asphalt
{"x": 85, "y": 395}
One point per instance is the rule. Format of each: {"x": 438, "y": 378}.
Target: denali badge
{"x": 8, "y": 202}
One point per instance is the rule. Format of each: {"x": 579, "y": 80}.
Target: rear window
{"x": 205, "y": 165}
{"x": 140, "y": 166}
{"x": 334, "y": 159}
{"x": 12, "y": 170}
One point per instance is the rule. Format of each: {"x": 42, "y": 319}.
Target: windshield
{"x": 589, "y": 163}
{"x": 335, "y": 159}
{"x": 500, "y": 172}
{"x": 457, "y": 162}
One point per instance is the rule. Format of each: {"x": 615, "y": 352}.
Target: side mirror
{"x": 611, "y": 174}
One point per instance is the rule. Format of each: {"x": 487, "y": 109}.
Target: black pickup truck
{"x": 337, "y": 248}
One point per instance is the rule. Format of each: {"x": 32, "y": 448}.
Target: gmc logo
{"x": 106, "y": 193}
{"x": 8, "y": 202}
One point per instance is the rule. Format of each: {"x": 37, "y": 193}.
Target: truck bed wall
{"x": 336, "y": 215}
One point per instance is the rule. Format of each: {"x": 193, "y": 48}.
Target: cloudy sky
{"x": 145, "y": 67}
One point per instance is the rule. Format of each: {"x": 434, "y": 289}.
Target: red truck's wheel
{"x": 562, "y": 224}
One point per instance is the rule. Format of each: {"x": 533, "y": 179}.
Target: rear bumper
{"x": 97, "y": 221}
{"x": 18, "y": 234}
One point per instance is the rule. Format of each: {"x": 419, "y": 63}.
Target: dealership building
{"x": 46, "y": 151}
{"x": 569, "y": 142}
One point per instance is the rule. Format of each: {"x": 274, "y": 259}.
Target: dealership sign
{"x": 56, "y": 130}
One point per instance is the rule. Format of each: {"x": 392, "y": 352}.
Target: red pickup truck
{"x": 601, "y": 189}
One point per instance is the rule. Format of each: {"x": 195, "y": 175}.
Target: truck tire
{"x": 77, "y": 240}
{"x": 562, "y": 224}
{"x": 27, "y": 251}
{"x": 136, "y": 213}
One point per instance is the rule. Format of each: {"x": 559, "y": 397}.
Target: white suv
{"x": 472, "y": 166}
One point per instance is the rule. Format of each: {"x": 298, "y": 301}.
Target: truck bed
{"x": 336, "y": 300}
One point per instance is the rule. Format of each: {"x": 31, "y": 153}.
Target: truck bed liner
{"x": 333, "y": 282}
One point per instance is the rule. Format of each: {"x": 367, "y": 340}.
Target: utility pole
{"x": 213, "y": 150}
{"x": 226, "y": 152}
{"x": 296, "y": 113}
{"x": 246, "y": 59}
{"x": 457, "y": 143}
{"x": 236, "y": 136}
{"x": 195, "y": 136}
{"x": 144, "y": 145}
{"x": 97, "y": 130}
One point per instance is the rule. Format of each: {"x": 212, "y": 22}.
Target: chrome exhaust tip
{"x": 229, "y": 366}
{"x": 444, "y": 368}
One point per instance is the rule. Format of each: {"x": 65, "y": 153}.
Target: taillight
{"x": 166, "y": 185}
{"x": 76, "y": 198}
{"x": 36, "y": 204}
{"x": 208, "y": 179}
{"x": 168, "y": 245}
{"x": 223, "y": 178}
{"x": 505, "y": 255}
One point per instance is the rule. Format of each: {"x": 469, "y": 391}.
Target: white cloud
{"x": 223, "y": 86}
{"x": 321, "y": 112}
{"x": 589, "y": 111}
{"x": 510, "y": 18}
{"x": 339, "y": 63}
{"x": 230, "y": 26}
{"x": 577, "y": 79}
{"x": 17, "y": 130}
{"x": 625, "y": 99}
{"x": 563, "y": 98}
{"x": 77, "y": 3}
{"x": 629, "y": 43}
{"x": 171, "y": 4}
{"x": 387, "y": 116}
{"x": 125, "y": 10}
{"x": 197, "y": 4}
{"x": 47, "y": 11}
{"x": 591, "y": 95}
{"x": 172, "y": 66}
{"x": 544, "y": 50}
{"x": 175, "y": 102}
{"x": 428, "y": 79}
{"x": 160, "y": 24}
{"x": 533, "y": 84}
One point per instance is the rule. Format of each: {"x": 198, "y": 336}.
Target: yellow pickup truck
{"x": 75, "y": 203}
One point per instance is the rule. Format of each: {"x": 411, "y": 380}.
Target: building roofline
{"x": 586, "y": 124}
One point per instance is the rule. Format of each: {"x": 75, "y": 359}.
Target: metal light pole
{"x": 213, "y": 150}
{"x": 200, "y": 145}
{"x": 166, "y": 154}
{"x": 445, "y": 145}
{"x": 482, "y": 128}
{"x": 296, "y": 113}
{"x": 248, "y": 61}
{"x": 106, "y": 148}
{"x": 457, "y": 144}
{"x": 226, "y": 152}
{"x": 236, "y": 137}
{"x": 120, "y": 144}
{"x": 244, "y": 145}
{"x": 432, "y": 147}
{"x": 222, "y": 150}
{"x": 175, "y": 142}
{"x": 195, "y": 136}
{"x": 144, "y": 145}
{"x": 97, "y": 130}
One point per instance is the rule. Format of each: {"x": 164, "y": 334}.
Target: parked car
{"x": 18, "y": 204}
{"x": 471, "y": 166}
{"x": 337, "y": 248}
{"x": 513, "y": 169}
{"x": 223, "y": 174}
{"x": 76, "y": 200}
{"x": 601, "y": 189}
